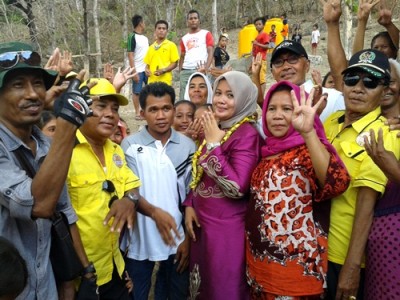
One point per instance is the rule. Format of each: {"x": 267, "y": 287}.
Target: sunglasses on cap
{"x": 369, "y": 82}
{"x": 9, "y": 60}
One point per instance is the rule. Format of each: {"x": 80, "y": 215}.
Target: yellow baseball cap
{"x": 105, "y": 88}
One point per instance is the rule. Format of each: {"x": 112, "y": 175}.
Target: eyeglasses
{"x": 291, "y": 60}
{"x": 368, "y": 82}
{"x": 108, "y": 186}
{"x": 9, "y": 60}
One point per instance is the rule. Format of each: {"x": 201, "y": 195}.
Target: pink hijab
{"x": 293, "y": 138}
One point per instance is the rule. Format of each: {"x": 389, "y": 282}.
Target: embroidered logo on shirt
{"x": 140, "y": 150}
{"x": 118, "y": 160}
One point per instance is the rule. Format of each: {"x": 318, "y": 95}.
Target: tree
{"x": 25, "y": 7}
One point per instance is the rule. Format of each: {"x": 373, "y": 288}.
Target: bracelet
{"x": 89, "y": 269}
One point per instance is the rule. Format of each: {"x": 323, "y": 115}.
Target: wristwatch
{"x": 133, "y": 197}
{"x": 211, "y": 146}
{"x": 90, "y": 269}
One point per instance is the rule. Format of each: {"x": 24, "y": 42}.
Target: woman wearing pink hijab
{"x": 286, "y": 247}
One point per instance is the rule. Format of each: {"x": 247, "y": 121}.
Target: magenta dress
{"x": 220, "y": 201}
{"x": 382, "y": 276}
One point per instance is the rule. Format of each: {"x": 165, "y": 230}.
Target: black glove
{"x": 73, "y": 104}
{"x": 88, "y": 290}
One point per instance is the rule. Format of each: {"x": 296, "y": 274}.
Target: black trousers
{"x": 333, "y": 278}
{"x": 114, "y": 289}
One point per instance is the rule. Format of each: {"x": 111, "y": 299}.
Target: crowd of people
{"x": 212, "y": 198}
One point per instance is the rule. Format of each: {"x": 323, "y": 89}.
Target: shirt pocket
{"x": 86, "y": 191}
{"x": 353, "y": 150}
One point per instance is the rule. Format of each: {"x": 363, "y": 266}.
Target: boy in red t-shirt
{"x": 261, "y": 45}
{"x": 272, "y": 37}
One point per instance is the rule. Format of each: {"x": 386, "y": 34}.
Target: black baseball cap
{"x": 290, "y": 46}
{"x": 371, "y": 61}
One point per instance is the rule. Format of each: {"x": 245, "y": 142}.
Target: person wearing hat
{"x": 364, "y": 83}
{"x": 289, "y": 61}
{"x": 27, "y": 200}
{"x": 104, "y": 193}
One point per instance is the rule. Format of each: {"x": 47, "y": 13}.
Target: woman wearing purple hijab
{"x": 216, "y": 206}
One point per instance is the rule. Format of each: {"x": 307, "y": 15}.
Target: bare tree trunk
{"x": 348, "y": 27}
{"x": 86, "y": 58}
{"x": 259, "y": 12}
{"x": 170, "y": 13}
{"x": 4, "y": 10}
{"x": 237, "y": 13}
{"x": 97, "y": 37}
{"x": 52, "y": 24}
{"x": 214, "y": 20}
{"x": 128, "y": 87}
{"x": 26, "y": 8}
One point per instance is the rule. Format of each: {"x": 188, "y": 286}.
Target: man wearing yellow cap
{"x": 100, "y": 186}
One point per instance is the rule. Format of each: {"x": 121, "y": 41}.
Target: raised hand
{"x": 194, "y": 129}
{"x": 73, "y": 105}
{"x": 385, "y": 14}
{"x": 304, "y": 113}
{"x": 212, "y": 132}
{"x": 332, "y": 10}
{"x": 121, "y": 77}
{"x": 201, "y": 67}
{"x": 364, "y": 8}
{"x": 53, "y": 62}
{"x": 256, "y": 66}
{"x": 108, "y": 72}
{"x": 65, "y": 64}
{"x": 384, "y": 159}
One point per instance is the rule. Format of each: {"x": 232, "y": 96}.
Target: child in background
{"x": 48, "y": 123}
{"x": 297, "y": 36}
{"x": 314, "y": 39}
{"x": 285, "y": 29}
{"x": 272, "y": 37}
{"x": 184, "y": 115}
{"x": 261, "y": 45}
{"x": 120, "y": 132}
{"x": 221, "y": 56}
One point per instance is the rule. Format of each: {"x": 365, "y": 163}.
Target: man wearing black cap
{"x": 364, "y": 82}
{"x": 289, "y": 61}
{"x": 26, "y": 204}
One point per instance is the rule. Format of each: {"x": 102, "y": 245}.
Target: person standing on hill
{"x": 162, "y": 56}
{"x": 197, "y": 47}
{"x": 314, "y": 39}
{"x": 261, "y": 45}
{"x": 137, "y": 47}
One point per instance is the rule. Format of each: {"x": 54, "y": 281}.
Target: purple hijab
{"x": 293, "y": 138}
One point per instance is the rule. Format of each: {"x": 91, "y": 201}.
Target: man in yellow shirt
{"x": 104, "y": 193}
{"x": 162, "y": 56}
{"x": 364, "y": 83}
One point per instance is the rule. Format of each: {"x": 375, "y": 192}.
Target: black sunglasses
{"x": 9, "y": 60}
{"x": 368, "y": 82}
{"x": 108, "y": 186}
